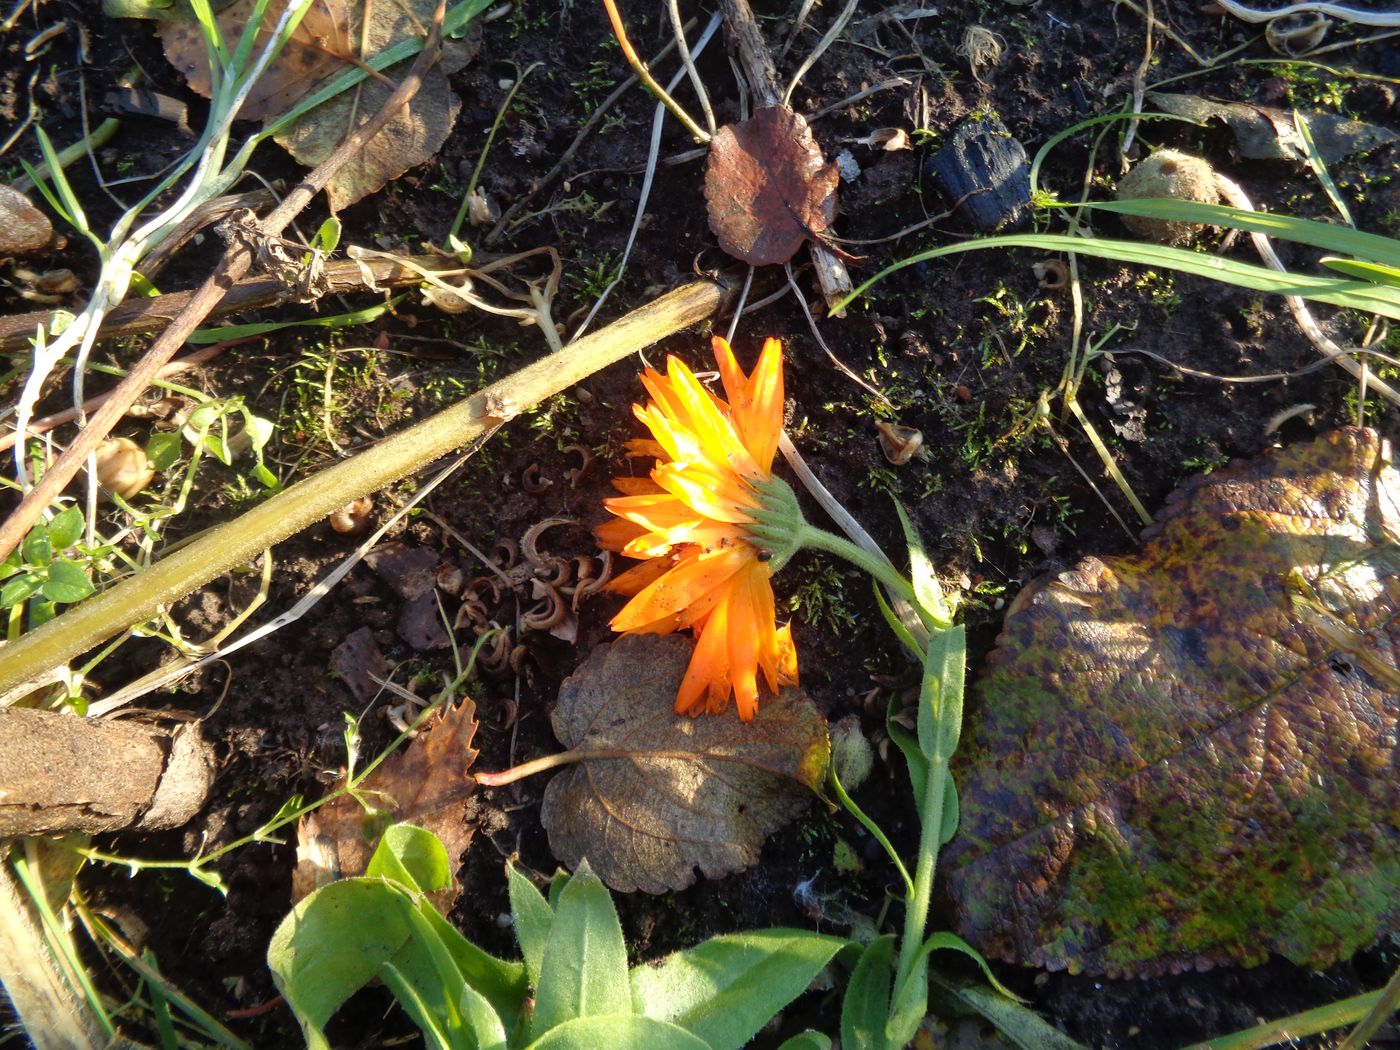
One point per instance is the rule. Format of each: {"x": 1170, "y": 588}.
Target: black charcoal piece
{"x": 985, "y": 164}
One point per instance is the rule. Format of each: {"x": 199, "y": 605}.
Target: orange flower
{"x": 698, "y": 521}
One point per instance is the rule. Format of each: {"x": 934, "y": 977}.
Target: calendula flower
{"x": 712, "y": 525}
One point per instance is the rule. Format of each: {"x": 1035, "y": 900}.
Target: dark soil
{"x": 962, "y": 348}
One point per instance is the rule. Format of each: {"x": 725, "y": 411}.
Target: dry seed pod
{"x": 122, "y": 467}
{"x": 1168, "y": 173}
{"x": 899, "y": 443}
{"x": 353, "y": 518}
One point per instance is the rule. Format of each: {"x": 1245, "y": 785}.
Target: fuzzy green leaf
{"x": 866, "y": 1005}
{"x": 727, "y": 988}
{"x": 533, "y": 920}
{"x": 583, "y": 971}
{"x": 617, "y": 1032}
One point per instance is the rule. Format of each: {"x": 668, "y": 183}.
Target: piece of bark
{"x": 61, "y": 772}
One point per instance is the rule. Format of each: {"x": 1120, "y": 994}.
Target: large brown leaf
{"x": 427, "y": 784}
{"x": 664, "y": 794}
{"x": 1188, "y": 756}
{"x": 767, "y": 187}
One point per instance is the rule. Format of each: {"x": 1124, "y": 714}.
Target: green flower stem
{"x": 810, "y": 536}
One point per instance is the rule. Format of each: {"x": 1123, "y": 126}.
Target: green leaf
{"x": 412, "y": 856}
{"x": 65, "y": 528}
{"x": 435, "y": 1032}
{"x": 1017, "y": 1023}
{"x": 866, "y": 1005}
{"x": 1367, "y": 271}
{"x": 617, "y": 1032}
{"x": 485, "y": 1022}
{"x": 808, "y": 1040}
{"x": 951, "y": 813}
{"x": 941, "y": 694}
{"x": 533, "y": 919}
{"x": 67, "y": 583}
{"x": 37, "y": 548}
{"x": 726, "y": 989}
{"x": 908, "y": 746}
{"x": 163, "y": 450}
{"x": 259, "y": 431}
{"x": 1328, "y": 236}
{"x": 927, "y": 590}
{"x": 908, "y": 1005}
{"x": 333, "y": 943}
{"x": 1349, "y": 294}
{"x": 327, "y": 236}
{"x": 19, "y": 588}
{"x": 583, "y": 972}
{"x": 41, "y": 613}
{"x": 946, "y": 941}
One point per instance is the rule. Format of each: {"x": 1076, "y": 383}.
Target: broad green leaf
{"x": 617, "y": 1032}
{"x": 941, "y": 693}
{"x": 65, "y": 528}
{"x": 1367, "y": 271}
{"x": 484, "y": 1021}
{"x": 808, "y": 1040}
{"x": 435, "y": 1031}
{"x": 411, "y": 856}
{"x": 1018, "y": 1023}
{"x": 41, "y": 613}
{"x": 866, "y": 1005}
{"x": 67, "y": 583}
{"x": 332, "y": 944}
{"x": 583, "y": 972}
{"x": 38, "y": 550}
{"x": 533, "y": 919}
{"x": 19, "y": 588}
{"x": 327, "y": 235}
{"x": 163, "y": 450}
{"x": 726, "y": 989}
{"x": 1186, "y": 757}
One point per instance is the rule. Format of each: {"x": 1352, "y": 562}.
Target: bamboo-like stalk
{"x": 38, "y": 653}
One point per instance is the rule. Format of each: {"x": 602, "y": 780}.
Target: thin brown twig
{"x": 640, "y": 68}
{"x": 236, "y": 262}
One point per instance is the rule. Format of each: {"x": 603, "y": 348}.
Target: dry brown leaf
{"x": 665, "y": 794}
{"x": 427, "y": 784}
{"x": 412, "y": 137}
{"x": 768, "y": 188}
{"x": 317, "y": 49}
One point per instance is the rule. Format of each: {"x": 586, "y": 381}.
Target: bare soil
{"x": 962, "y": 348}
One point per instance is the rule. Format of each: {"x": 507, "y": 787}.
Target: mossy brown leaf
{"x": 654, "y": 795}
{"x": 427, "y": 783}
{"x": 1188, "y": 756}
{"x": 767, "y": 187}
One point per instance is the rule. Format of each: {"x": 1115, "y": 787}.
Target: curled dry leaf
{"x": 662, "y": 793}
{"x": 1264, "y": 133}
{"x": 1188, "y": 756}
{"x": 768, "y": 188}
{"x": 427, "y": 784}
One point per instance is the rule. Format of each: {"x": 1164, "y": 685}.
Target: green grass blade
{"x": 1348, "y": 294}
{"x": 1329, "y": 237}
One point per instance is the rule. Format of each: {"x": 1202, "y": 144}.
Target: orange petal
{"x": 761, "y": 419}
{"x": 787, "y": 656}
{"x": 692, "y": 578}
{"x": 721, "y": 497}
{"x": 636, "y": 486}
{"x": 615, "y": 534}
{"x": 638, "y": 577}
{"x": 743, "y": 648}
{"x": 716, "y": 433}
{"x": 730, "y": 374}
{"x": 708, "y": 672}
